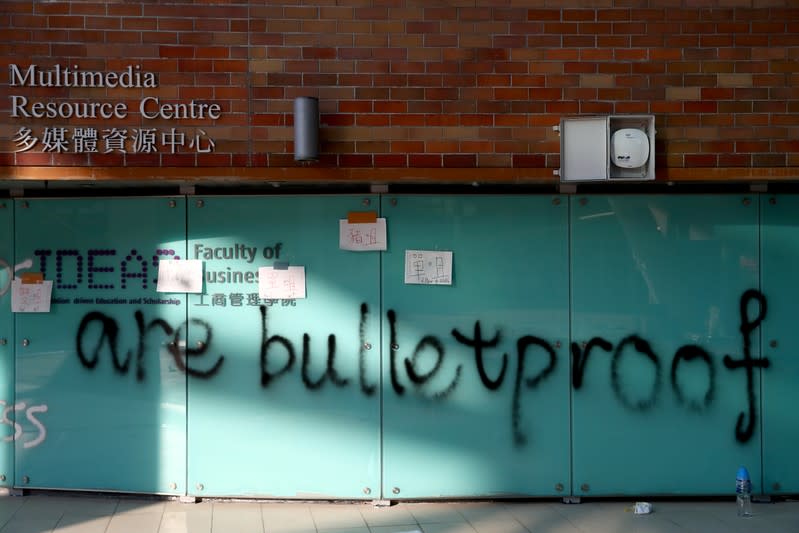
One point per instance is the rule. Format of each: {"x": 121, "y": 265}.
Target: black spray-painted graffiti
{"x": 687, "y": 352}
{"x": 109, "y": 335}
{"x": 97, "y": 330}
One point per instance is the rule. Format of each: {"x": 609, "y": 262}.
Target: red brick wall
{"x": 424, "y": 83}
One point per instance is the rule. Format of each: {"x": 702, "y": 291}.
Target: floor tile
{"x": 462, "y": 527}
{"x": 395, "y": 529}
{"x": 74, "y": 523}
{"x": 387, "y": 516}
{"x": 337, "y": 516}
{"x": 435, "y": 513}
{"x": 79, "y": 514}
{"x": 345, "y": 530}
{"x": 498, "y": 526}
{"x": 185, "y": 522}
{"x": 237, "y": 517}
{"x": 134, "y": 523}
{"x": 44, "y": 507}
{"x": 30, "y": 525}
{"x": 287, "y": 518}
{"x": 140, "y": 506}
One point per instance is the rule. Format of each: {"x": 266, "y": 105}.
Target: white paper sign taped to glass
{"x": 181, "y": 275}
{"x": 427, "y": 267}
{"x": 362, "y": 236}
{"x": 31, "y": 297}
{"x": 281, "y": 283}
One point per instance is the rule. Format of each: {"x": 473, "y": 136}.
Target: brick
{"x": 734, "y": 160}
{"x": 773, "y": 81}
{"x": 615, "y": 93}
{"x": 752, "y": 119}
{"x": 543, "y": 14}
{"x": 751, "y": 66}
{"x": 665, "y": 54}
{"x": 751, "y": 40}
{"x": 580, "y": 67}
{"x": 578, "y": 14}
{"x": 563, "y": 80}
{"x": 771, "y": 106}
{"x": 493, "y": 80}
{"x": 408, "y": 147}
{"x": 649, "y": 67}
{"x": 424, "y": 160}
{"x": 396, "y": 107}
{"x": 509, "y": 41}
{"x": 700, "y": 160}
{"x": 631, "y": 107}
{"x": 355, "y": 160}
{"x": 507, "y": 93}
{"x": 511, "y": 120}
{"x": 631, "y": 54}
{"x": 563, "y": 107}
{"x": 578, "y": 41}
{"x": 596, "y": 80}
{"x": 713, "y": 93}
{"x": 700, "y": 107}
{"x": 699, "y": 80}
{"x": 681, "y": 41}
{"x": 734, "y": 80}
{"x": 529, "y": 161}
{"x": 751, "y": 146}
{"x": 459, "y": 160}
{"x": 596, "y": 54}
{"x": 513, "y": 67}
{"x": 407, "y": 119}
{"x": 526, "y": 80}
{"x": 614, "y": 68}
{"x": 475, "y": 14}
{"x": 390, "y": 160}
{"x": 545, "y": 93}
{"x": 581, "y": 93}
{"x": 718, "y": 67}
{"x": 561, "y": 54}
{"x": 561, "y": 28}
{"x": 769, "y": 160}
{"x": 683, "y": 93}
{"x": 426, "y": 27}
{"x": 596, "y": 107}
{"x": 682, "y": 120}
{"x": 543, "y": 41}
{"x": 442, "y": 147}
{"x": 784, "y": 66}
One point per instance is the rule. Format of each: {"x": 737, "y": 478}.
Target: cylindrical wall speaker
{"x": 306, "y": 128}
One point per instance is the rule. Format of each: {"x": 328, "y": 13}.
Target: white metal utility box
{"x": 610, "y": 147}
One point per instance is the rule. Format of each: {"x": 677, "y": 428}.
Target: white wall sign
{"x": 425, "y": 267}
{"x": 281, "y": 283}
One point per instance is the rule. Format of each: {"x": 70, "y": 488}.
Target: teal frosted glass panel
{"x": 101, "y": 401}
{"x": 657, "y": 287}
{"x": 6, "y": 341}
{"x": 476, "y": 394}
{"x": 780, "y": 257}
{"x": 284, "y": 398}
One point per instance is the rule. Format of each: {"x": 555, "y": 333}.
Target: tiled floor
{"x": 70, "y": 513}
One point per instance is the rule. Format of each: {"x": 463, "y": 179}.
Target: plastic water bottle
{"x": 743, "y": 493}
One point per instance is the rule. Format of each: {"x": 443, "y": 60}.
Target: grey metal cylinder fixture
{"x": 306, "y": 128}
